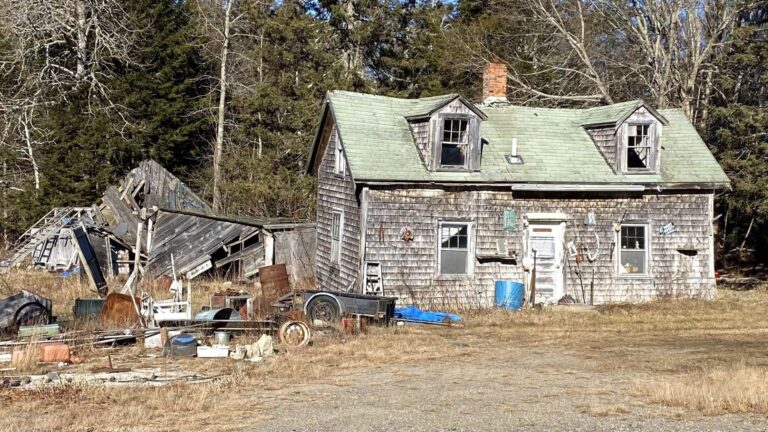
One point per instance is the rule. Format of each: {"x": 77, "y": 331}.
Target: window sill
{"x": 450, "y": 277}
{"x": 634, "y": 277}
{"x": 451, "y": 169}
{"x": 639, "y": 172}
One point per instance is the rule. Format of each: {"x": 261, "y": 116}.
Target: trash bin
{"x": 509, "y": 294}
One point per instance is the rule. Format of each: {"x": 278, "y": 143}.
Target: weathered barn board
{"x": 296, "y": 249}
{"x": 191, "y": 240}
{"x": 336, "y": 192}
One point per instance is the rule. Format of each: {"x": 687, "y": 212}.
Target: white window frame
{"x": 338, "y": 238}
{"x": 469, "y": 249}
{"x": 651, "y": 146}
{"x": 340, "y": 162}
{"x": 620, "y": 272}
{"x": 467, "y": 144}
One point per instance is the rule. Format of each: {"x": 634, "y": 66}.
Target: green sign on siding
{"x": 509, "y": 219}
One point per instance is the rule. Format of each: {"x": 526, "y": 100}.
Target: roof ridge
{"x": 419, "y": 99}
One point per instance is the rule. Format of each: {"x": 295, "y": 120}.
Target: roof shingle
{"x": 552, "y": 142}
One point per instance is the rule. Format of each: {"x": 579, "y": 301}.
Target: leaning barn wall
{"x": 409, "y": 269}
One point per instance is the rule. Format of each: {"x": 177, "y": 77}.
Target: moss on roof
{"x": 553, "y": 143}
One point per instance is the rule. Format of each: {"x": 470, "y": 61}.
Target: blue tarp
{"x": 413, "y": 313}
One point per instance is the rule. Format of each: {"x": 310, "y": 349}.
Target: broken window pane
{"x": 452, "y": 155}
{"x": 638, "y": 146}
{"x": 454, "y": 146}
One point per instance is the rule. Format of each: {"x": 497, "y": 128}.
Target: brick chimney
{"x": 495, "y": 83}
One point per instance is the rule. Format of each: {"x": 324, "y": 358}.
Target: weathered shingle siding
{"x": 409, "y": 269}
{"x": 420, "y": 130}
{"x": 336, "y": 192}
{"x": 605, "y": 140}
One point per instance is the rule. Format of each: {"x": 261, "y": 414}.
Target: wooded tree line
{"x": 226, "y": 93}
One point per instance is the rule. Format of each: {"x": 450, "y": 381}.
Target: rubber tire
{"x": 22, "y": 315}
{"x": 325, "y": 309}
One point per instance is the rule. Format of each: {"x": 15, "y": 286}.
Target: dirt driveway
{"x": 521, "y": 390}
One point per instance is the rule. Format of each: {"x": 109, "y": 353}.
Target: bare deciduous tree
{"x": 674, "y": 42}
{"x": 218, "y": 23}
{"x": 66, "y": 45}
{"x": 57, "y": 48}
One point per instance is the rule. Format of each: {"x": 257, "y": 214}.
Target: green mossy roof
{"x": 553, "y": 143}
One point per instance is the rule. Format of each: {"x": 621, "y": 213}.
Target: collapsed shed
{"x": 152, "y": 219}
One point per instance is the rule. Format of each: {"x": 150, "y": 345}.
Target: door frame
{"x": 558, "y": 222}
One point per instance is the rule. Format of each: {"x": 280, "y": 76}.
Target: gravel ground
{"x": 523, "y": 391}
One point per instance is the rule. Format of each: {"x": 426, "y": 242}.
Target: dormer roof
{"x": 554, "y": 144}
{"x": 615, "y": 114}
{"x": 425, "y": 107}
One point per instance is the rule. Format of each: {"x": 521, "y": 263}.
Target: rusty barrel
{"x": 274, "y": 280}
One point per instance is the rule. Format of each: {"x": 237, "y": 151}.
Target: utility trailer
{"x": 323, "y": 308}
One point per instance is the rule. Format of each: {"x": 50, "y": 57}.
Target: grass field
{"x": 689, "y": 356}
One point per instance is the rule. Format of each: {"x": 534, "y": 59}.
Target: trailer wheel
{"x": 294, "y": 333}
{"x": 323, "y": 310}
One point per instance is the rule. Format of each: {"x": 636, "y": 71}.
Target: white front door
{"x": 545, "y": 241}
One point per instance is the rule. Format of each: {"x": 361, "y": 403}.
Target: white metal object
{"x": 216, "y": 351}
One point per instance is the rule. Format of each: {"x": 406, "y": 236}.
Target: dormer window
{"x": 447, "y": 134}
{"x": 639, "y": 146}
{"x": 455, "y": 143}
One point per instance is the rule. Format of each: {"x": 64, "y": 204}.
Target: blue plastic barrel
{"x": 509, "y": 294}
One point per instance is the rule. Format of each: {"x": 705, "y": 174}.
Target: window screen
{"x": 454, "y": 248}
{"x": 454, "y": 144}
{"x": 633, "y": 254}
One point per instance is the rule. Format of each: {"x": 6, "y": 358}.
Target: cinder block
{"x": 18, "y": 356}
{"x": 53, "y": 353}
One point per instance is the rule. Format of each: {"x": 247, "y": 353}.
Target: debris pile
{"x": 151, "y": 219}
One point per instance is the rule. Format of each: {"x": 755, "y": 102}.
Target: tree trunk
{"x": 219, "y": 146}
{"x": 30, "y": 151}
{"x": 82, "y": 39}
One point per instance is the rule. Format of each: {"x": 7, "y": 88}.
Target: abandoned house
{"x": 434, "y": 199}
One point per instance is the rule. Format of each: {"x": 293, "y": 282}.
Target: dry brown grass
{"x": 736, "y": 389}
{"x": 707, "y": 356}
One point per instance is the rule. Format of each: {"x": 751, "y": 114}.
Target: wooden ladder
{"x": 40, "y": 232}
{"x": 373, "y": 282}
